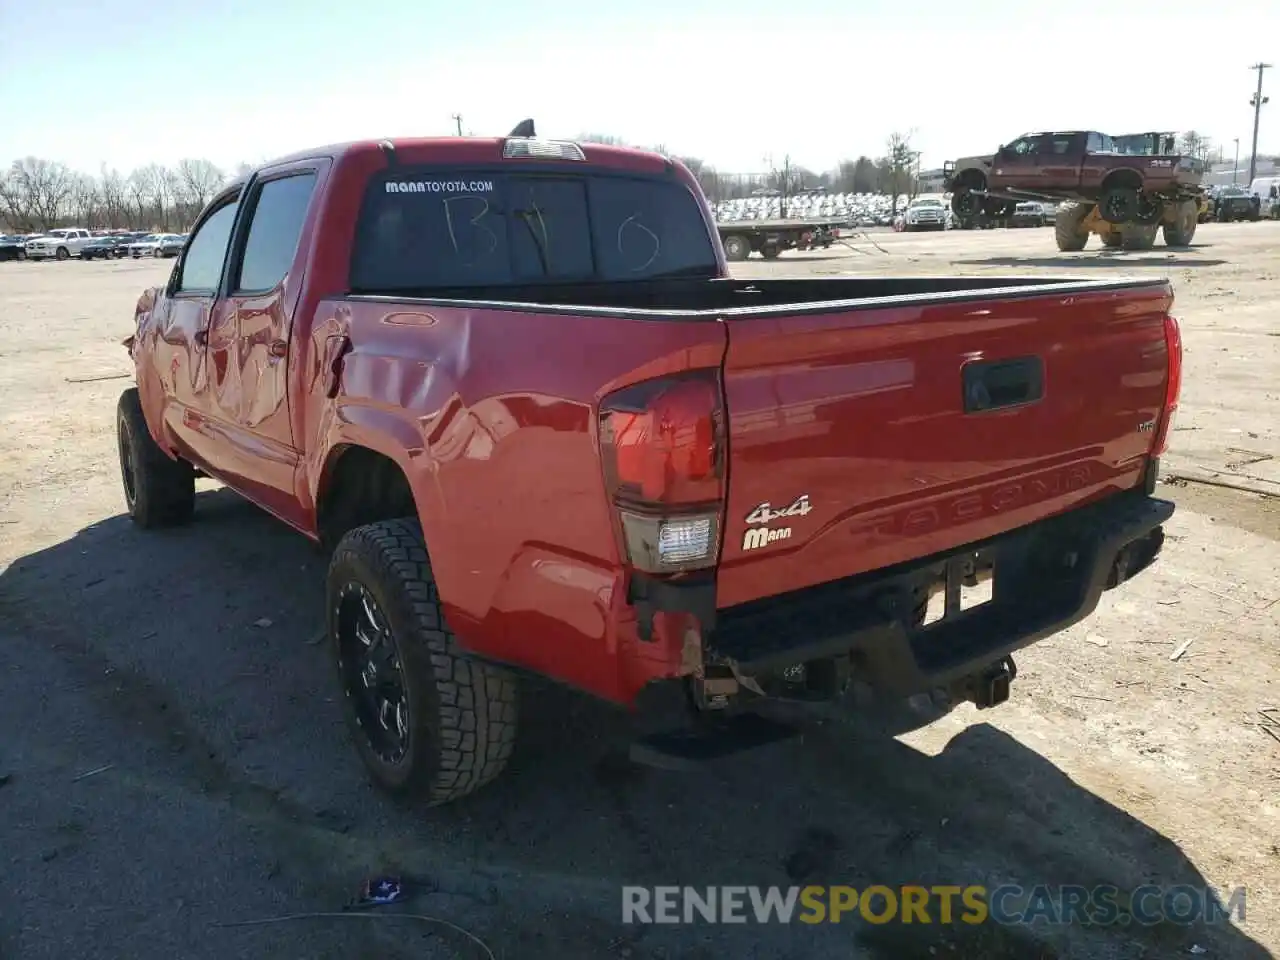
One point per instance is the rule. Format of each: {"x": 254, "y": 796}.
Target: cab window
{"x": 201, "y": 270}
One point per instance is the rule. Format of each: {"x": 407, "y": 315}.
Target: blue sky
{"x": 732, "y": 81}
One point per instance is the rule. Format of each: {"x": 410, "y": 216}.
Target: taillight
{"x": 663, "y": 447}
{"x": 1173, "y": 389}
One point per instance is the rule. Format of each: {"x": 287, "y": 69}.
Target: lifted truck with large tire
{"x": 510, "y": 387}
{"x": 1124, "y": 189}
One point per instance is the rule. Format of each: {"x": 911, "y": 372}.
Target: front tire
{"x": 158, "y": 490}
{"x": 63, "y": 253}
{"x": 428, "y": 721}
{"x": 1068, "y": 226}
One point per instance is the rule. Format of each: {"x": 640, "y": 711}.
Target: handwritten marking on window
{"x": 653, "y": 245}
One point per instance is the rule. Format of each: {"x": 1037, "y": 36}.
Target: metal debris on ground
{"x": 1183, "y": 647}
{"x": 378, "y": 892}
{"x": 92, "y": 773}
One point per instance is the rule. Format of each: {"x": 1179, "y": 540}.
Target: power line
{"x": 1256, "y": 102}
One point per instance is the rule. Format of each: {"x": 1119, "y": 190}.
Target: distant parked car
{"x": 13, "y": 248}
{"x": 104, "y": 248}
{"x": 170, "y": 245}
{"x": 146, "y": 246}
{"x": 60, "y": 244}
{"x": 1235, "y": 203}
{"x": 925, "y": 213}
{"x": 1028, "y": 214}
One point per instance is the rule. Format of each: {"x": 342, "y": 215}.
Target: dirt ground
{"x": 172, "y": 758}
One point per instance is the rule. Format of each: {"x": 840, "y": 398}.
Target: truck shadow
{"x": 1098, "y": 260}
{"x": 210, "y": 631}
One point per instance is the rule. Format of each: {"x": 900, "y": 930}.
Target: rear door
{"x": 1062, "y": 159}
{"x": 870, "y": 437}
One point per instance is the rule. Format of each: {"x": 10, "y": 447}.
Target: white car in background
{"x": 152, "y": 245}
{"x": 925, "y": 213}
{"x": 60, "y": 244}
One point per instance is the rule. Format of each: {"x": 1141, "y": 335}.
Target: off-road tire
{"x": 736, "y": 248}
{"x": 1068, "y": 226}
{"x": 1182, "y": 230}
{"x": 1137, "y": 236}
{"x": 158, "y": 490}
{"x": 462, "y": 712}
{"x": 1110, "y": 240}
{"x": 1119, "y": 205}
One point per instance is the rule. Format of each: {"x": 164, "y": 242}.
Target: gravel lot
{"x": 176, "y": 760}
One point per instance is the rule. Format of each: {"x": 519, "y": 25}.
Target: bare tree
{"x": 136, "y": 188}
{"x": 45, "y": 185}
{"x": 15, "y": 201}
{"x": 85, "y": 201}
{"x": 1195, "y": 144}
{"x": 111, "y": 188}
{"x": 199, "y": 180}
{"x": 898, "y": 159}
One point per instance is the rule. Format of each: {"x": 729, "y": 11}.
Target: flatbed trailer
{"x": 741, "y": 238}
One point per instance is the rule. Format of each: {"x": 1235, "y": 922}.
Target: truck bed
{"x": 687, "y": 299}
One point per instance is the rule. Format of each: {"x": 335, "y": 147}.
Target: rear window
{"x": 433, "y": 230}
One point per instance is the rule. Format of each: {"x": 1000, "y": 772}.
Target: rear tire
{"x": 736, "y": 248}
{"x": 1180, "y": 232}
{"x": 158, "y": 490}
{"x": 1068, "y": 226}
{"x": 1136, "y": 236}
{"x": 455, "y": 717}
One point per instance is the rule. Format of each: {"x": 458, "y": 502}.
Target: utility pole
{"x": 1235, "y": 164}
{"x": 1257, "y": 102}
{"x": 457, "y": 119}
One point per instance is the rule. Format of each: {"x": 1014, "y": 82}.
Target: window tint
{"x": 274, "y": 231}
{"x": 1062, "y": 145}
{"x": 429, "y": 231}
{"x": 202, "y": 267}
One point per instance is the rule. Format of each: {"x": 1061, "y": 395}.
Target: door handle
{"x": 201, "y": 338}
{"x": 993, "y": 385}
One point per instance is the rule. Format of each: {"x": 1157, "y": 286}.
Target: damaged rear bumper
{"x": 1047, "y": 577}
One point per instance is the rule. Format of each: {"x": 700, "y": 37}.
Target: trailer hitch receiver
{"x": 992, "y": 685}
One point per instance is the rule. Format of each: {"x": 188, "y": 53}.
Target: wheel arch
{"x": 1122, "y": 178}
{"x": 361, "y": 483}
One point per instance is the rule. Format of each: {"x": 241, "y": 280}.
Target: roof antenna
{"x": 523, "y": 129}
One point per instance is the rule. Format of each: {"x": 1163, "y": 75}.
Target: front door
{"x": 182, "y": 329}
{"x": 1017, "y": 165}
{"x": 249, "y": 339}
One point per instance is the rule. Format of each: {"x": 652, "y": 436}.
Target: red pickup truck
{"x": 510, "y": 384}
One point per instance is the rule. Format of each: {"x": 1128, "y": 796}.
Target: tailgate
{"x": 863, "y": 438}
